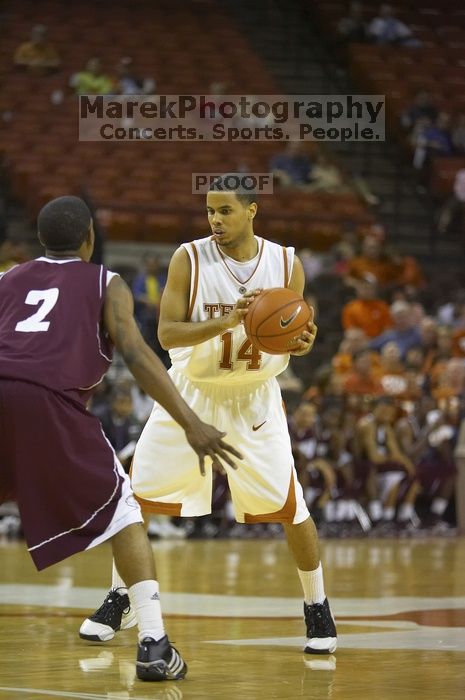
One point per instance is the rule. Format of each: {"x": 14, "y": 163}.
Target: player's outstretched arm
{"x": 151, "y": 375}
{"x": 174, "y": 328}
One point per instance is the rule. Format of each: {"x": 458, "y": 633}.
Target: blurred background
{"x": 376, "y": 410}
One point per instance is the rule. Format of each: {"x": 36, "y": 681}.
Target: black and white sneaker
{"x": 113, "y": 615}
{"x": 321, "y": 630}
{"x": 159, "y": 661}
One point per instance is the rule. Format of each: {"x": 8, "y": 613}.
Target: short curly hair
{"x": 64, "y": 223}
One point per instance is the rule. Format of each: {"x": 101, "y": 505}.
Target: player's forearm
{"x": 152, "y": 377}
{"x": 181, "y": 334}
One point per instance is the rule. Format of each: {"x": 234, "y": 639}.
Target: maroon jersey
{"x": 51, "y": 325}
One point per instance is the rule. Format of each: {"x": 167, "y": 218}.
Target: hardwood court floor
{"x": 234, "y": 610}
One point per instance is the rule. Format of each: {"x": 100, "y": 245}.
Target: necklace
{"x": 242, "y": 288}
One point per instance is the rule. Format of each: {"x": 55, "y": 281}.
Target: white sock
{"x": 116, "y": 580}
{"x": 405, "y": 512}
{"x": 389, "y": 513}
{"x": 439, "y": 506}
{"x": 375, "y": 509}
{"x": 343, "y": 510}
{"x": 312, "y": 583}
{"x": 145, "y": 600}
{"x": 329, "y": 511}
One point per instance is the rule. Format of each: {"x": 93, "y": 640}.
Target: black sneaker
{"x": 114, "y": 614}
{"x": 321, "y": 630}
{"x": 159, "y": 661}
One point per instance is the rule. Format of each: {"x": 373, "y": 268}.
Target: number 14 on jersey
{"x": 246, "y": 353}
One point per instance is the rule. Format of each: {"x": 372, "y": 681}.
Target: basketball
{"x": 275, "y": 318}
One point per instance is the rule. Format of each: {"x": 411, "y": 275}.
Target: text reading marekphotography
{"x": 232, "y": 118}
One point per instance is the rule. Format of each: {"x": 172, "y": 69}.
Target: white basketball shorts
{"x": 165, "y": 473}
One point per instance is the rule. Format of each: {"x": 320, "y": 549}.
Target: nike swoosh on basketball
{"x": 285, "y": 322}
{"x": 257, "y": 427}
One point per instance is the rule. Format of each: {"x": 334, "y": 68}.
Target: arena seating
{"x": 133, "y": 183}
{"x": 437, "y": 66}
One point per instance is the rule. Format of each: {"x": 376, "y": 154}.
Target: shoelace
{"x": 106, "y": 609}
{"x": 319, "y": 617}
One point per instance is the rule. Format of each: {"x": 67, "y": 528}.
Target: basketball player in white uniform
{"x": 229, "y": 383}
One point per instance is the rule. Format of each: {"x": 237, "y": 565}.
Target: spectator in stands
{"x": 336, "y": 463}
{"x": 128, "y": 83}
{"x": 404, "y": 333}
{"x": 312, "y": 262}
{"x": 442, "y": 356}
{"x": 353, "y": 28}
{"x": 415, "y": 360}
{"x": 37, "y": 55}
{"x": 147, "y": 289}
{"x": 302, "y": 426}
{"x": 368, "y": 313}
{"x": 451, "y": 217}
{"x": 421, "y": 107}
{"x": 393, "y": 371}
{"x": 433, "y": 139}
{"x": 361, "y": 379}
{"x": 343, "y": 253}
{"x": 316, "y": 474}
{"x": 458, "y": 134}
{"x": 353, "y": 341}
{"x": 326, "y": 177}
{"x": 409, "y": 278}
{"x": 12, "y": 253}
{"x": 120, "y": 426}
{"x": 451, "y": 381}
{"x": 91, "y": 80}
{"x": 409, "y": 295}
{"x": 428, "y": 436}
{"x": 458, "y": 342}
{"x": 387, "y": 29}
{"x": 429, "y": 345}
{"x": 101, "y": 397}
{"x": 372, "y": 260}
{"x": 292, "y": 167}
{"x": 385, "y": 465}
{"x": 450, "y": 313}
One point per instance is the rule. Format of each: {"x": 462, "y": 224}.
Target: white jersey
{"x": 229, "y": 358}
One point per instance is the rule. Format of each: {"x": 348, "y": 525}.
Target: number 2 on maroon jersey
{"x": 36, "y": 323}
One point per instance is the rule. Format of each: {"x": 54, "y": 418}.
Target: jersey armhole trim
{"x": 194, "y": 281}
{"x": 110, "y": 276}
{"x": 286, "y": 266}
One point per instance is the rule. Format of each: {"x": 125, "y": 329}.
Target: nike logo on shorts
{"x": 257, "y": 427}
{"x": 285, "y": 322}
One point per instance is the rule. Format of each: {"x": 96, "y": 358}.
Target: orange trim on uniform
{"x": 285, "y": 515}
{"x": 158, "y": 507}
{"x": 286, "y": 267}
{"x": 148, "y": 506}
{"x": 196, "y": 282}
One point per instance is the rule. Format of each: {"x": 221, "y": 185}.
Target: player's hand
{"x": 239, "y": 312}
{"x": 207, "y": 441}
{"x": 304, "y": 342}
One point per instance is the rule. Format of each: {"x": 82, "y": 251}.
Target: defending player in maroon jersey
{"x": 59, "y": 318}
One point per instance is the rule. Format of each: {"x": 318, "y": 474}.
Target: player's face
{"x": 230, "y": 221}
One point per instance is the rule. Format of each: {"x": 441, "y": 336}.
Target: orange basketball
{"x": 275, "y": 318}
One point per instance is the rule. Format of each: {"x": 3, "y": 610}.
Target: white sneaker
{"x": 113, "y": 615}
